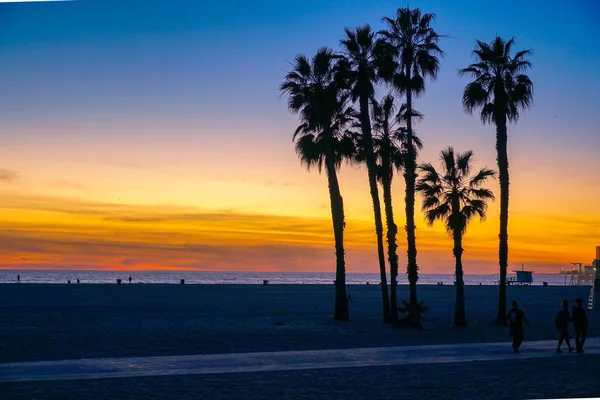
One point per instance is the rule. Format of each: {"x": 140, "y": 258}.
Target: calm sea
{"x": 244, "y": 278}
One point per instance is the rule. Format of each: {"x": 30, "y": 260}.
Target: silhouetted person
{"x": 562, "y": 325}
{"x": 78, "y": 281}
{"x": 129, "y": 279}
{"x": 515, "y": 319}
{"x": 69, "y": 282}
{"x": 18, "y": 278}
{"x": 580, "y": 323}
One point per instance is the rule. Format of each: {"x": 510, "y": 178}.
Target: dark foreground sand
{"x": 564, "y": 376}
{"x": 46, "y": 322}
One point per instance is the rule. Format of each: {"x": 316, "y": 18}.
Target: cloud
{"x": 8, "y": 175}
{"x": 271, "y": 182}
{"x": 74, "y": 233}
{"x": 62, "y": 183}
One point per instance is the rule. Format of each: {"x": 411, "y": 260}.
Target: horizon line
{"x": 233, "y": 271}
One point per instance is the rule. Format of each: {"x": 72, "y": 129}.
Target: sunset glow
{"x": 122, "y": 148}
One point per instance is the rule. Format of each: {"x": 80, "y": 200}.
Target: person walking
{"x": 562, "y": 325}
{"x": 580, "y": 323}
{"x": 515, "y": 319}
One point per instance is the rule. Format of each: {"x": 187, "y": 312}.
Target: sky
{"x": 140, "y": 135}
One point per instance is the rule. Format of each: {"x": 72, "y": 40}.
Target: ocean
{"x": 246, "y": 278}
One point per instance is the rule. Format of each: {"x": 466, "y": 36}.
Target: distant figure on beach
{"x": 69, "y": 282}
{"x": 130, "y": 279}
{"x": 78, "y": 281}
{"x": 580, "y": 323}
{"x": 18, "y": 278}
{"x": 562, "y": 325}
{"x": 515, "y": 318}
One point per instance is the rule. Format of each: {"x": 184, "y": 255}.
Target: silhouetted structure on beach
{"x": 500, "y": 90}
{"x": 414, "y": 47}
{"x": 316, "y": 93}
{"x": 359, "y": 68}
{"x": 455, "y": 197}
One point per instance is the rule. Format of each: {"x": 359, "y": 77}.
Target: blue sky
{"x": 184, "y": 57}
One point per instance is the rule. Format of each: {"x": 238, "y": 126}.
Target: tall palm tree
{"x": 416, "y": 52}
{"x": 359, "y": 49}
{"x": 501, "y": 90}
{"x": 390, "y": 144}
{"x": 314, "y": 92}
{"x": 455, "y": 197}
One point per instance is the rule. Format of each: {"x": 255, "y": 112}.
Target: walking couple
{"x": 580, "y": 323}
{"x": 516, "y": 318}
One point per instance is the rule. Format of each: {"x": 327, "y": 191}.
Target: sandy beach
{"x": 54, "y": 322}
{"x": 46, "y": 322}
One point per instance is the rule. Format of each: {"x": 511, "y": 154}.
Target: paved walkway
{"x": 278, "y": 361}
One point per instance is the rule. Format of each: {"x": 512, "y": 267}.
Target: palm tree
{"x": 359, "y": 49}
{"x": 390, "y": 144}
{"x": 314, "y": 93}
{"x": 415, "y": 47}
{"x": 454, "y": 197}
{"x": 501, "y": 91}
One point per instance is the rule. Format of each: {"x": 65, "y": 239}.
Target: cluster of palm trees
{"x": 341, "y": 120}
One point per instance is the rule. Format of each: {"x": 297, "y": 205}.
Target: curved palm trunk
{"x": 371, "y": 170}
{"x": 460, "y": 316}
{"x": 502, "y": 157}
{"x": 392, "y": 230}
{"x": 410, "y": 177}
{"x": 341, "y": 311}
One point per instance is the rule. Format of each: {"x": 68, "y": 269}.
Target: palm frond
{"x": 481, "y": 177}
{"x": 499, "y": 85}
{"x": 451, "y": 195}
{"x": 315, "y": 93}
{"x": 415, "y": 46}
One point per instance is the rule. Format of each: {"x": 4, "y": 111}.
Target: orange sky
{"x": 162, "y": 143}
{"x": 152, "y": 210}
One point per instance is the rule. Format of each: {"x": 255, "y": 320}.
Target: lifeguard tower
{"x": 523, "y": 277}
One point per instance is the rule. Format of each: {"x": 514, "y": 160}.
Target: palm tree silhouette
{"x": 454, "y": 197}
{"x": 416, "y": 53}
{"x": 359, "y": 50}
{"x": 315, "y": 93}
{"x": 501, "y": 91}
{"x": 390, "y": 146}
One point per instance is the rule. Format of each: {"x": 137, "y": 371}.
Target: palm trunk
{"x": 392, "y": 230}
{"x": 341, "y": 311}
{"x": 410, "y": 177}
{"x": 460, "y": 316}
{"x": 501, "y": 148}
{"x": 371, "y": 170}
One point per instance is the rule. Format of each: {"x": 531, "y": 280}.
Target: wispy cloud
{"x": 8, "y": 175}
{"x": 63, "y": 183}
{"x": 75, "y": 233}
